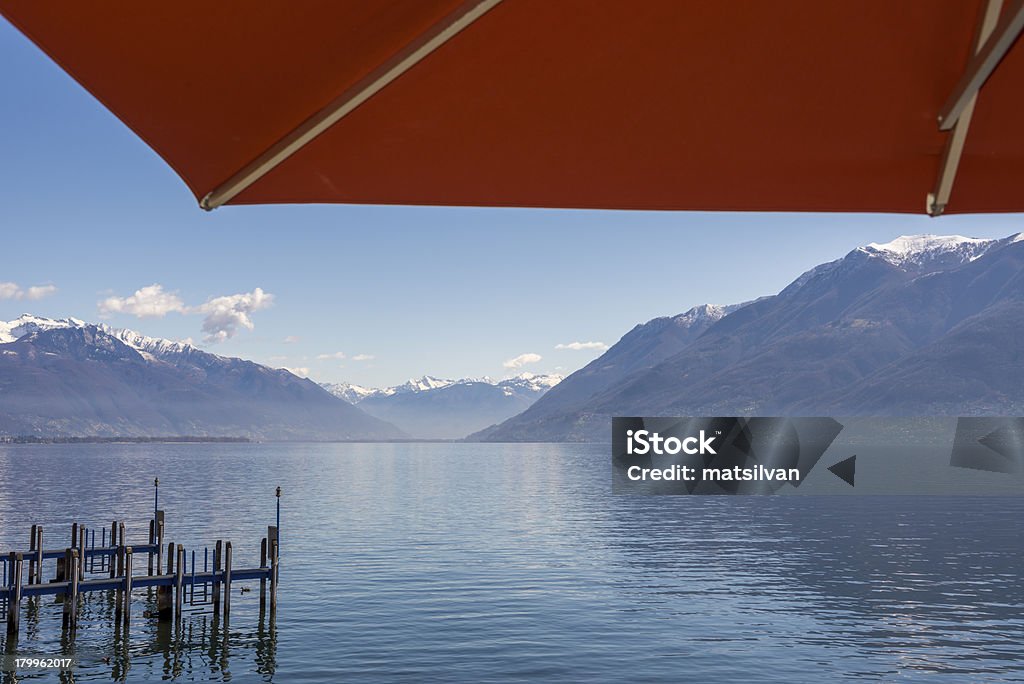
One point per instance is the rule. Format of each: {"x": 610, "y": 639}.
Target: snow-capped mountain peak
{"x": 25, "y": 324}
{"x": 528, "y": 382}
{"x": 155, "y": 346}
{"x": 423, "y": 384}
{"x": 923, "y": 250}
{"x": 704, "y": 314}
{"x": 353, "y": 394}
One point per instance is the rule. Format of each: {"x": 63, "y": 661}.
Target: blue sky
{"x": 87, "y": 208}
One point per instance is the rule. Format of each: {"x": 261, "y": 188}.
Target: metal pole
{"x": 279, "y": 517}
{"x": 156, "y": 496}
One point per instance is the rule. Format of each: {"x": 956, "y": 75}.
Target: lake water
{"x": 440, "y": 562}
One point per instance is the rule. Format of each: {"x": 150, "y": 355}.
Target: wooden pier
{"x": 89, "y": 565}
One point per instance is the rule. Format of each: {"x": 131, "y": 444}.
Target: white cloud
{"x": 301, "y": 372}
{"x": 15, "y": 291}
{"x": 147, "y": 302}
{"x": 583, "y": 346}
{"x": 363, "y": 357}
{"x": 522, "y": 360}
{"x": 40, "y": 291}
{"x": 292, "y": 339}
{"x": 336, "y": 355}
{"x": 226, "y": 314}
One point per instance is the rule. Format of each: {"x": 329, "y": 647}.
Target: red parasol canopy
{"x": 796, "y": 105}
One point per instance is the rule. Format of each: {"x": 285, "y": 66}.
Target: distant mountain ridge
{"x": 918, "y": 326}
{"x": 65, "y": 377}
{"x": 438, "y": 408}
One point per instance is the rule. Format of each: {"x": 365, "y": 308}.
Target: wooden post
{"x": 152, "y": 541}
{"x": 39, "y": 555}
{"x": 82, "y": 536}
{"x": 119, "y": 592}
{"x": 64, "y": 574}
{"x": 71, "y": 595}
{"x": 227, "y": 578}
{"x": 215, "y": 588}
{"x": 32, "y": 556}
{"x": 274, "y": 561}
{"x": 113, "y": 543}
{"x": 76, "y": 562}
{"x": 159, "y": 539}
{"x": 164, "y": 603}
{"x": 14, "y": 597}
{"x": 127, "y": 585}
{"x": 179, "y": 576}
{"x": 74, "y": 534}
{"x": 263, "y": 579}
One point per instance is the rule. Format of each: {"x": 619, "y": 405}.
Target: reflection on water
{"x": 443, "y": 562}
{"x": 202, "y": 646}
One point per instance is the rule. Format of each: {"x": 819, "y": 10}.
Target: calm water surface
{"x": 436, "y": 562}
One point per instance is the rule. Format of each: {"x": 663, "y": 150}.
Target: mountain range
{"x": 437, "y": 408}
{"x": 65, "y": 377}
{"x": 922, "y": 325}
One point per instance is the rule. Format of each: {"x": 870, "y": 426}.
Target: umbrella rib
{"x": 954, "y": 149}
{"x": 426, "y": 43}
{"x": 983, "y": 64}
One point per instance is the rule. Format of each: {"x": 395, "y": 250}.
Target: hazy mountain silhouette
{"x": 68, "y": 378}
{"x": 435, "y": 408}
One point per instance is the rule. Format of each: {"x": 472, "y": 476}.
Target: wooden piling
{"x": 274, "y": 562}
{"x": 164, "y": 602}
{"x": 32, "y": 557}
{"x": 159, "y": 539}
{"x": 70, "y": 597}
{"x": 39, "y": 555}
{"x": 76, "y": 562}
{"x": 263, "y": 580}
{"x": 14, "y": 597}
{"x": 119, "y": 593}
{"x": 179, "y": 576}
{"x": 81, "y": 548}
{"x": 215, "y": 588}
{"x": 227, "y": 578}
{"x": 113, "y": 542}
{"x": 152, "y": 541}
{"x": 74, "y": 534}
{"x": 127, "y": 585}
